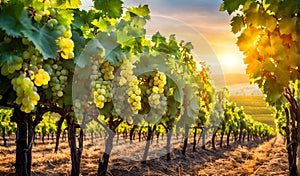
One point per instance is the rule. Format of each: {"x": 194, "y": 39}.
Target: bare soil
{"x": 240, "y": 158}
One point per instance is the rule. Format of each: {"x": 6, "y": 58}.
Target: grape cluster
{"x": 157, "y": 98}
{"x": 127, "y": 79}
{"x": 59, "y": 78}
{"x": 64, "y": 42}
{"x": 11, "y": 66}
{"x": 27, "y": 95}
{"x": 30, "y": 69}
{"x": 101, "y": 82}
{"x": 79, "y": 107}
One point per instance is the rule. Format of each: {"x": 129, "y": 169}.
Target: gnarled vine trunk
{"x": 75, "y": 152}
{"x": 149, "y": 137}
{"x": 24, "y": 140}
{"x": 103, "y": 163}
{"x": 186, "y": 136}
{"x": 59, "y": 124}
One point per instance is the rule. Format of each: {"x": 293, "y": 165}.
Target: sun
{"x": 229, "y": 61}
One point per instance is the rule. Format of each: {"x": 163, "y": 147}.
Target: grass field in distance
{"x": 256, "y": 107}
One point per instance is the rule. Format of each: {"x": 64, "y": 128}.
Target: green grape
{"x": 27, "y": 95}
{"x": 130, "y": 83}
{"x": 101, "y": 84}
{"x": 50, "y": 26}
{"x": 38, "y": 17}
{"x": 59, "y": 77}
{"x": 52, "y": 12}
{"x": 157, "y": 100}
{"x": 7, "y": 39}
{"x": 53, "y": 21}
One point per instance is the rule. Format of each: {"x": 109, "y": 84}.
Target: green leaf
{"x": 158, "y": 38}
{"x": 108, "y": 107}
{"x": 91, "y": 49}
{"x": 37, "y": 5}
{"x": 237, "y": 23}
{"x": 141, "y": 11}
{"x": 231, "y": 5}
{"x": 178, "y": 96}
{"x": 65, "y": 17}
{"x": 123, "y": 37}
{"x": 273, "y": 90}
{"x": 78, "y": 43}
{"x": 113, "y": 51}
{"x": 269, "y": 66}
{"x": 116, "y": 56}
{"x": 14, "y": 19}
{"x": 113, "y": 8}
{"x": 66, "y": 4}
{"x": 44, "y": 40}
{"x": 282, "y": 74}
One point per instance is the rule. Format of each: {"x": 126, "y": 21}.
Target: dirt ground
{"x": 248, "y": 158}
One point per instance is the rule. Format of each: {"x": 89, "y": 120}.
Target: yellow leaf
{"x": 271, "y": 23}
{"x": 287, "y": 25}
{"x": 248, "y": 39}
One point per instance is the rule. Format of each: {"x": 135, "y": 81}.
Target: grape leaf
{"x": 141, "y": 11}
{"x": 66, "y": 4}
{"x": 287, "y": 25}
{"x": 78, "y": 43}
{"x": 255, "y": 18}
{"x": 248, "y": 38}
{"x": 14, "y": 19}
{"x": 273, "y": 91}
{"x": 65, "y": 17}
{"x": 237, "y": 23}
{"x": 231, "y": 5}
{"x": 271, "y": 23}
{"x": 113, "y": 51}
{"x": 44, "y": 40}
{"x": 282, "y": 74}
{"x": 254, "y": 68}
{"x": 269, "y": 66}
{"x": 115, "y": 56}
{"x": 91, "y": 49}
{"x": 113, "y": 8}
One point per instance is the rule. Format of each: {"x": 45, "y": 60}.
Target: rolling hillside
{"x": 256, "y": 107}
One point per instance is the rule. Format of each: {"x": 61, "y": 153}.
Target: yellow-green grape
{"x": 101, "y": 81}
{"x": 41, "y": 77}
{"x": 38, "y": 17}
{"x": 59, "y": 77}
{"x": 128, "y": 79}
{"x": 12, "y": 65}
{"x": 157, "y": 99}
{"x": 159, "y": 81}
{"x": 27, "y": 95}
{"x": 66, "y": 46}
{"x": 79, "y": 108}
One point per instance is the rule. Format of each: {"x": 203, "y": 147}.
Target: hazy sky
{"x": 200, "y": 22}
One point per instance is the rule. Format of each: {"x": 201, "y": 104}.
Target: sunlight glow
{"x": 229, "y": 61}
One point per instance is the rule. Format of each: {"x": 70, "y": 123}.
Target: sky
{"x": 199, "y": 22}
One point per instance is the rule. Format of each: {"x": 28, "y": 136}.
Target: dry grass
{"x": 250, "y": 158}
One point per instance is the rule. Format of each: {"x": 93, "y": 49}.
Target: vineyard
{"x": 87, "y": 92}
{"x": 256, "y": 107}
